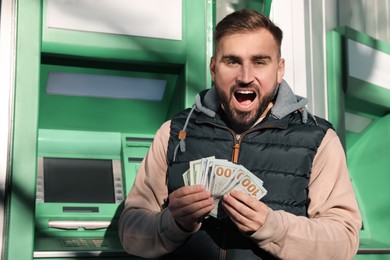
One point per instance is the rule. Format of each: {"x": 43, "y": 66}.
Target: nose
{"x": 246, "y": 76}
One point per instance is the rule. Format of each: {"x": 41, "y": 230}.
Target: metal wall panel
{"x": 7, "y": 82}
{"x": 371, "y": 17}
{"x": 305, "y": 24}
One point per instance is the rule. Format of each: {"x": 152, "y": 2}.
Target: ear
{"x": 280, "y": 70}
{"x": 212, "y": 67}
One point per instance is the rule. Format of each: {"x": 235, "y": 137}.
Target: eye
{"x": 260, "y": 62}
{"x": 231, "y": 61}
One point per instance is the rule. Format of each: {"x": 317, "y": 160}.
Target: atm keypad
{"x": 85, "y": 243}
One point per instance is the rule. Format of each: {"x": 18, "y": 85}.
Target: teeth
{"x": 245, "y": 92}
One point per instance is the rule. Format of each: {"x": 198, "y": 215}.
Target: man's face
{"x": 246, "y": 70}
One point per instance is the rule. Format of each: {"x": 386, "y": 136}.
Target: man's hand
{"x": 246, "y": 212}
{"x": 188, "y": 204}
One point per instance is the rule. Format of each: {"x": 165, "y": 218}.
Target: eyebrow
{"x": 230, "y": 57}
{"x": 261, "y": 57}
{"x": 237, "y": 58}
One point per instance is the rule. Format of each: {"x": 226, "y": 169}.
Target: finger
{"x": 192, "y": 205}
{"x": 195, "y": 211}
{"x": 189, "y": 222}
{"x": 187, "y": 190}
{"x": 236, "y": 209}
{"x": 184, "y": 198}
{"x": 247, "y": 218}
{"x": 249, "y": 201}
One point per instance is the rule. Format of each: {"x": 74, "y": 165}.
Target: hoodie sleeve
{"x": 145, "y": 228}
{"x": 331, "y": 229}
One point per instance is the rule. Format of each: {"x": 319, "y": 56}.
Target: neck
{"x": 270, "y": 105}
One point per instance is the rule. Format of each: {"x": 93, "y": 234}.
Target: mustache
{"x": 249, "y": 85}
{"x": 244, "y": 84}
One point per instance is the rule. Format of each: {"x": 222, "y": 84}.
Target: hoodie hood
{"x": 287, "y": 102}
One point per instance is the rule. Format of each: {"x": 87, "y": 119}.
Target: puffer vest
{"x": 278, "y": 151}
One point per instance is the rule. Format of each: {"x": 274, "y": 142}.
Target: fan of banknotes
{"x": 220, "y": 177}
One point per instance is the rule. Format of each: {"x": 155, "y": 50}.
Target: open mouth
{"x": 245, "y": 97}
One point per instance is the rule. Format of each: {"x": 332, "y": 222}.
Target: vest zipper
{"x": 238, "y": 137}
{"x": 222, "y": 252}
{"x": 236, "y": 148}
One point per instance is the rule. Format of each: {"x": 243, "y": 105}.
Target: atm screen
{"x": 78, "y": 180}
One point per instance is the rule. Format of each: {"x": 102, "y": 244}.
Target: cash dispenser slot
{"x": 74, "y": 224}
{"x": 80, "y": 209}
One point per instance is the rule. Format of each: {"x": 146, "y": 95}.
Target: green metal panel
{"x": 361, "y": 92}
{"x": 115, "y": 47}
{"x": 353, "y": 137}
{"x": 267, "y": 7}
{"x": 361, "y": 95}
{"x": 79, "y": 144}
{"x": 19, "y": 240}
{"x": 183, "y": 63}
{"x": 262, "y": 6}
{"x": 367, "y": 151}
{"x": 134, "y": 149}
{"x": 336, "y": 98}
{"x": 372, "y": 257}
{"x": 196, "y": 60}
{"x": 345, "y": 91}
{"x": 104, "y": 114}
{"x": 364, "y": 38}
{"x": 188, "y": 56}
{"x": 369, "y": 161}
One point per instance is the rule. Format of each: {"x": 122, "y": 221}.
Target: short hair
{"x": 246, "y": 20}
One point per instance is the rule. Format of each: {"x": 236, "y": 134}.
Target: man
{"x": 252, "y": 118}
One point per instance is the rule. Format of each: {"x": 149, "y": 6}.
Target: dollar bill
{"x": 249, "y": 184}
{"x": 222, "y": 173}
{"x": 195, "y": 171}
{"x": 186, "y": 178}
{"x": 206, "y": 165}
{"x": 221, "y": 177}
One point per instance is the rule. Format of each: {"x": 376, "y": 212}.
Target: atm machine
{"x": 82, "y": 180}
{"x": 80, "y": 191}
{"x": 94, "y": 82}
{"x": 107, "y": 83}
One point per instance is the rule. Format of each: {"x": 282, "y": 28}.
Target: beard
{"x": 241, "y": 121}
